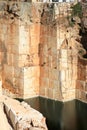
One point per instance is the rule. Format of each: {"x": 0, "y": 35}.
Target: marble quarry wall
{"x": 81, "y": 83}
{"x": 19, "y": 46}
{"x": 39, "y": 52}
{"x": 58, "y": 63}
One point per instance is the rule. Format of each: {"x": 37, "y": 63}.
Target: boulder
{"x": 22, "y": 116}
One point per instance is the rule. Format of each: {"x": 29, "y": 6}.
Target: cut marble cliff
{"x": 41, "y": 52}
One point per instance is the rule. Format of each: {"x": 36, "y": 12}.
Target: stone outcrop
{"x": 19, "y": 116}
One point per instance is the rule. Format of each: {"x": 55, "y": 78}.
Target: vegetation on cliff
{"x": 76, "y": 12}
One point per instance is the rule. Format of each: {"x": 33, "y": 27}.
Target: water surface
{"x": 71, "y": 115}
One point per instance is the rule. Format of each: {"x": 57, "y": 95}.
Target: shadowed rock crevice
{"x": 83, "y": 30}
{"x": 84, "y": 41}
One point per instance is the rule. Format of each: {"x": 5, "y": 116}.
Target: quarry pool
{"x": 71, "y": 115}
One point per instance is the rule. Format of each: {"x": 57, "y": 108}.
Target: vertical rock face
{"x": 39, "y": 45}
{"x": 59, "y": 56}
{"x": 19, "y": 47}
{"x": 81, "y": 84}
{"x": 21, "y": 25}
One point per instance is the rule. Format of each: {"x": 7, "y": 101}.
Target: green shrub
{"x": 77, "y": 10}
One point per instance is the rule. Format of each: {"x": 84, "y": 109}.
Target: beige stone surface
{"x": 4, "y": 125}
{"x": 21, "y": 115}
{"x": 40, "y": 52}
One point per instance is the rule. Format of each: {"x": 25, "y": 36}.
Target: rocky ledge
{"x": 15, "y": 115}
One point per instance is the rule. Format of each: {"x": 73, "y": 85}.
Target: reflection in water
{"x": 71, "y": 115}
{"x": 82, "y": 115}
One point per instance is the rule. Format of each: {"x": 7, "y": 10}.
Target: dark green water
{"x": 70, "y": 115}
